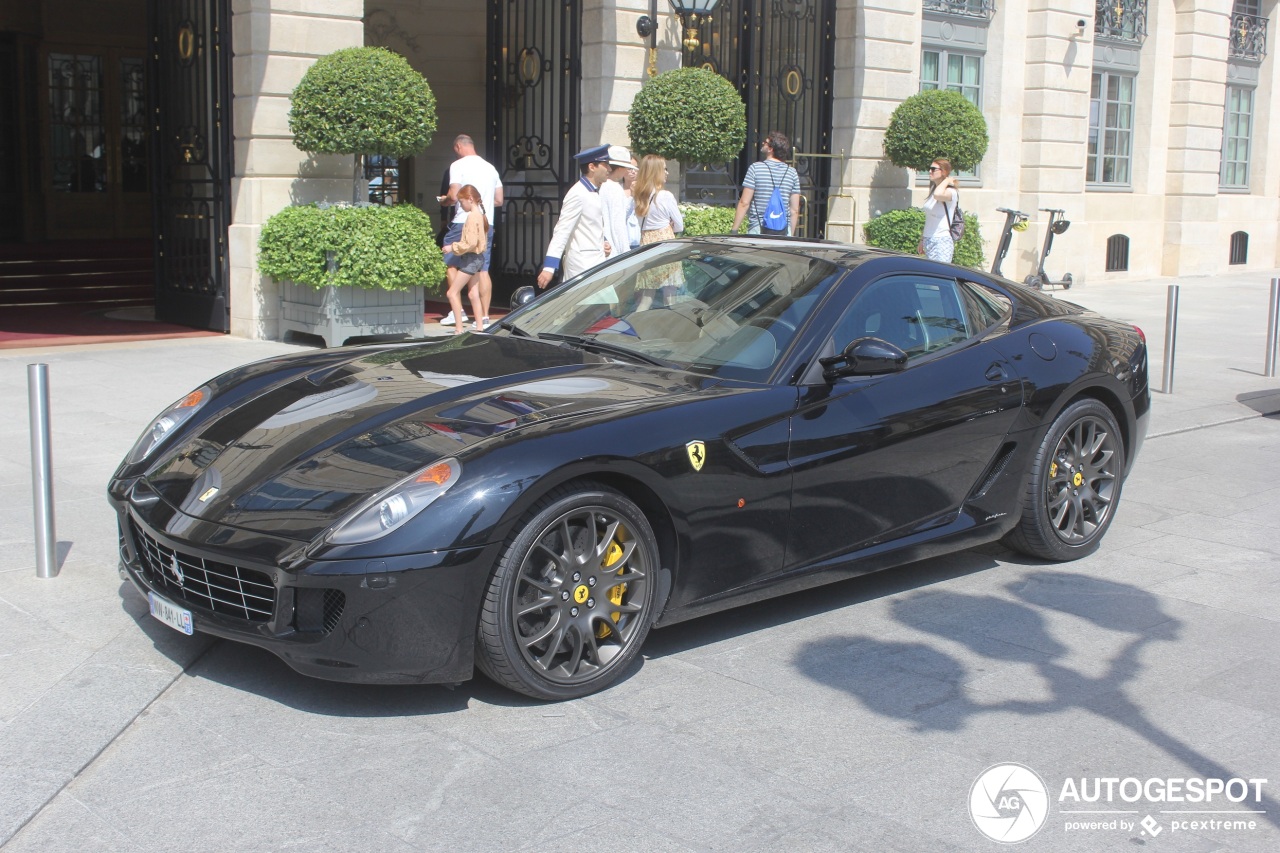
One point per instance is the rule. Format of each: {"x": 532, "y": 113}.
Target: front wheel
{"x": 1033, "y": 280}
{"x": 572, "y": 597}
{"x": 1074, "y": 486}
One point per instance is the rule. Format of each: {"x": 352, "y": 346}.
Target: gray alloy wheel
{"x": 571, "y": 599}
{"x": 1074, "y": 487}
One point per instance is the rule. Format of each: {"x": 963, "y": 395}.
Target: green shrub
{"x": 936, "y": 123}
{"x": 901, "y": 230}
{"x": 702, "y": 219}
{"x": 363, "y": 100}
{"x": 391, "y": 248}
{"x": 689, "y": 114}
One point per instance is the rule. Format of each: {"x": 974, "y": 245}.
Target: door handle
{"x": 996, "y": 372}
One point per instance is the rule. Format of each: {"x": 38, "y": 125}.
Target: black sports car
{"x": 694, "y": 425}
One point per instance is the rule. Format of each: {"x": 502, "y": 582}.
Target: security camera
{"x": 1080, "y": 24}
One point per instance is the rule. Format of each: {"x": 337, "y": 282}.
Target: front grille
{"x": 205, "y": 584}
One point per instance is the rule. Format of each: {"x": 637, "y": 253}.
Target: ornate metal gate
{"x": 191, "y": 142}
{"x": 781, "y": 55}
{"x": 534, "y": 73}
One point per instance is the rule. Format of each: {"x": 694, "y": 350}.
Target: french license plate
{"x": 170, "y": 614}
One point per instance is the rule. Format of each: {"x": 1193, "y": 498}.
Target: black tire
{"x": 1074, "y": 486}
{"x": 572, "y": 597}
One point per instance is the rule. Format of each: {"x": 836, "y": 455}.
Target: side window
{"x": 985, "y": 307}
{"x": 919, "y": 314}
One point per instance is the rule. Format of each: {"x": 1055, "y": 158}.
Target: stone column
{"x": 1056, "y": 100}
{"x": 273, "y": 43}
{"x": 615, "y": 63}
{"x": 1191, "y": 237}
{"x": 877, "y": 67}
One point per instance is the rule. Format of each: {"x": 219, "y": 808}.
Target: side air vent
{"x": 997, "y": 468}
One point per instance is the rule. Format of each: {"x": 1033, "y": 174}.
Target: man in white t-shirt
{"x": 471, "y": 168}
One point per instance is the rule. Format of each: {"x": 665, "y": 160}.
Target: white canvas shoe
{"x": 447, "y": 319}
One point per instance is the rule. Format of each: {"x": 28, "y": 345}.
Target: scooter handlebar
{"x": 1052, "y": 210}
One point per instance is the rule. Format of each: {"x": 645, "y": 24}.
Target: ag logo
{"x": 697, "y": 454}
{"x": 1008, "y": 803}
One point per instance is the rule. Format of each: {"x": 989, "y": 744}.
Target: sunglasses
{"x": 935, "y": 168}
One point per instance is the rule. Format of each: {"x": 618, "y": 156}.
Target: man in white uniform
{"x": 577, "y": 244}
{"x": 471, "y": 168}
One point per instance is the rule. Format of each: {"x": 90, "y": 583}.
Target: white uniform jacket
{"x": 577, "y": 244}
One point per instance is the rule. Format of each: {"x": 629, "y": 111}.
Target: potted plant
{"x": 355, "y": 270}
{"x": 348, "y": 271}
{"x": 900, "y": 230}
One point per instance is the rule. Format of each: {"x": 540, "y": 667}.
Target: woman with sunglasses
{"x": 944, "y": 196}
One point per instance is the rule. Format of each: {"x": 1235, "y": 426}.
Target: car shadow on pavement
{"x": 1038, "y": 624}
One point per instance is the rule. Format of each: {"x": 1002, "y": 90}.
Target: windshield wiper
{"x": 514, "y": 329}
{"x": 597, "y": 345}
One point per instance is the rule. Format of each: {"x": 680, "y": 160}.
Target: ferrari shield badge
{"x": 697, "y": 454}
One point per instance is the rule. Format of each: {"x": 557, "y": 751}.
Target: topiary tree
{"x": 362, "y": 100}
{"x": 901, "y": 230}
{"x": 936, "y": 123}
{"x": 689, "y": 114}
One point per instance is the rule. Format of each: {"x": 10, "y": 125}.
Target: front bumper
{"x": 409, "y": 619}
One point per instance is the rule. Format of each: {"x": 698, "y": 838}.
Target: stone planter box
{"x": 339, "y": 313}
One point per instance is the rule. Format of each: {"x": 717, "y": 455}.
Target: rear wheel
{"x": 1074, "y": 486}
{"x": 572, "y": 597}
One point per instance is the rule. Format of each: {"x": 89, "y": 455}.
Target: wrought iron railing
{"x": 963, "y": 8}
{"x": 1248, "y": 37}
{"x": 1121, "y": 20}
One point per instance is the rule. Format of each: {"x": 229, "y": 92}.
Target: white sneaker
{"x": 447, "y": 319}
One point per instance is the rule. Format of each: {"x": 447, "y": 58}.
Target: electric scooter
{"x": 1057, "y": 224}
{"x": 1014, "y": 220}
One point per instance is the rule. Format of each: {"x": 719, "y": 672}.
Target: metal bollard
{"x": 1273, "y": 328}
{"x": 42, "y": 471}
{"x": 1170, "y": 338}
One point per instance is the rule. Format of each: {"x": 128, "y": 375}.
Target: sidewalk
{"x": 849, "y": 718}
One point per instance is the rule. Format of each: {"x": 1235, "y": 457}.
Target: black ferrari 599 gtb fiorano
{"x": 693, "y": 425}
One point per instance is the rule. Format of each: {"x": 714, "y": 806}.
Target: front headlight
{"x": 391, "y": 508}
{"x": 166, "y": 422}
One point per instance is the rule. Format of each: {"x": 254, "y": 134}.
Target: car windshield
{"x": 727, "y": 310}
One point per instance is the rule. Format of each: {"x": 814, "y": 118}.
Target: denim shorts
{"x": 469, "y": 262}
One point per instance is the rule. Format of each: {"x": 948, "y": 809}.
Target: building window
{"x": 1117, "y": 253}
{"x": 1121, "y": 20}
{"x": 1236, "y": 135}
{"x": 1248, "y": 31}
{"x": 1239, "y": 248}
{"x": 959, "y": 72}
{"x": 1110, "y": 128}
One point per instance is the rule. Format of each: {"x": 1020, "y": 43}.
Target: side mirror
{"x": 864, "y": 357}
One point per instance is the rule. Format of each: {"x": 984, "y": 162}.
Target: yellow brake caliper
{"x": 612, "y": 556}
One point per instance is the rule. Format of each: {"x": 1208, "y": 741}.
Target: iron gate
{"x": 191, "y": 140}
{"x": 781, "y": 55}
{"x": 535, "y": 70}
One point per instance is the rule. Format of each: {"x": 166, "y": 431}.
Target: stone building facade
{"x": 1147, "y": 121}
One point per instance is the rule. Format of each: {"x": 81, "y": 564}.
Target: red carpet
{"x": 62, "y": 325}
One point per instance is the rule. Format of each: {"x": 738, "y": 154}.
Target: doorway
{"x": 95, "y": 176}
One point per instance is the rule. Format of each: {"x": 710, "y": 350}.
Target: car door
{"x": 877, "y": 458}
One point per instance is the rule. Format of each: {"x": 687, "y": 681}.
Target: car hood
{"x": 297, "y": 457}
